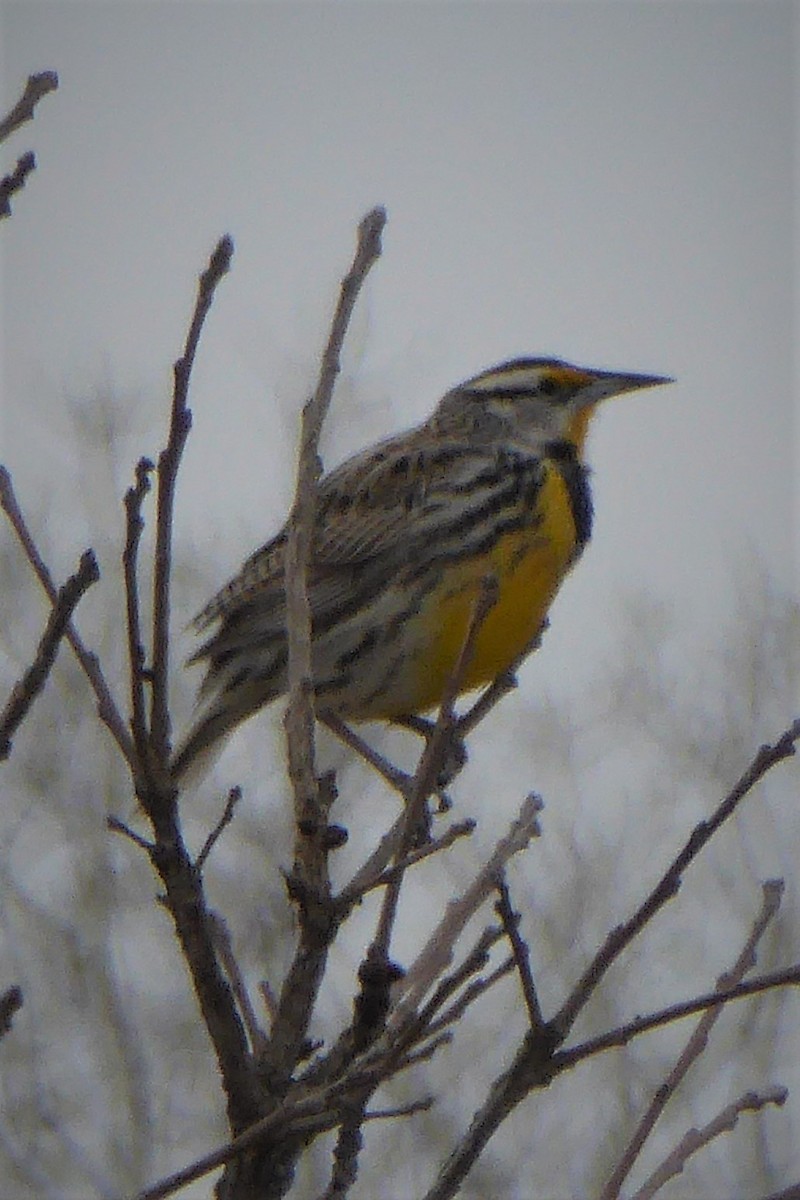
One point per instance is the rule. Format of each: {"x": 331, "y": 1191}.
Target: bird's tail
{"x": 200, "y": 749}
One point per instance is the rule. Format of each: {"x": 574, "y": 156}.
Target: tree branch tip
{"x": 218, "y": 264}
{"x": 88, "y": 568}
{"x": 372, "y": 226}
{"x": 42, "y": 82}
{"x": 406, "y": 1110}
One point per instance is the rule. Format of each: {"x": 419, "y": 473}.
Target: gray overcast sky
{"x": 606, "y": 182}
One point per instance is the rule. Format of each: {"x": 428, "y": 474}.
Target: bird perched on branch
{"x": 493, "y": 484}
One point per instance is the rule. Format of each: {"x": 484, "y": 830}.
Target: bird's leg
{"x": 397, "y": 779}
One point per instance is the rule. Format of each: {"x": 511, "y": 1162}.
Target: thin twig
{"x": 36, "y": 87}
{"x": 788, "y": 977}
{"x": 32, "y": 682}
{"x": 107, "y": 710}
{"x": 772, "y": 892}
{"x": 299, "y": 719}
{"x": 316, "y": 1111}
{"x": 423, "y": 1025}
{"x": 383, "y": 854}
{"x": 487, "y": 700}
{"x": 423, "y": 1053}
{"x": 767, "y": 757}
{"x": 117, "y": 826}
{"x": 351, "y": 895}
{"x": 222, "y": 936}
{"x": 697, "y": 1139}
{"x": 15, "y": 181}
{"x": 403, "y": 1110}
{"x": 309, "y": 881}
{"x": 510, "y": 920}
{"x": 475, "y": 961}
{"x": 183, "y": 884}
{"x": 470, "y": 994}
{"x": 499, "y": 687}
{"x": 234, "y": 796}
{"x": 437, "y": 953}
{"x": 134, "y": 524}
{"x": 168, "y": 463}
{"x": 268, "y": 999}
{"x": 430, "y": 763}
{"x": 536, "y": 1064}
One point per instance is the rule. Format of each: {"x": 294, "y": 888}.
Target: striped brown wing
{"x": 407, "y": 500}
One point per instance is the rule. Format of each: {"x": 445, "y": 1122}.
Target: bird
{"x": 494, "y": 484}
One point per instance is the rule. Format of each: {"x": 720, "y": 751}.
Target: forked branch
{"x": 107, "y": 709}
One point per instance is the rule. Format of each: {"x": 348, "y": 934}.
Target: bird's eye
{"x": 548, "y": 386}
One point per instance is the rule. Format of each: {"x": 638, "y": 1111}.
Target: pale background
{"x": 609, "y": 183}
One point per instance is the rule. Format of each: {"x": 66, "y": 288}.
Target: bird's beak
{"x": 603, "y": 384}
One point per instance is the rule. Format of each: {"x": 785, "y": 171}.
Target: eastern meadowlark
{"x": 493, "y": 483}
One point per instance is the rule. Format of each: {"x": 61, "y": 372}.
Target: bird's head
{"x": 532, "y": 401}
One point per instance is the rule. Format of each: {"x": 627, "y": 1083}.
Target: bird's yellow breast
{"x": 528, "y": 565}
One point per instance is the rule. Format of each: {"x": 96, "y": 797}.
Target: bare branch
{"x": 195, "y": 930}
{"x": 470, "y": 994}
{"x": 117, "y": 826}
{"x": 383, "y": 853}
{"x": 351, "y": 895}
{"x": 310, "y": 882}
{"x": 788, "y": 977}
{"x": 134, "y": 524}
{"x": 36, "y": 87}
{"x": 107, "y": 710}
{"x": 404, "y": 1110}
{"x": 475, "y": 961}
{"x": 15, "y": 181}
{"x": 510, "y": 921}
{"x": 300, "y": 712}
{"x": 316, "y": 1111}
{"x": 183, "y": 885}
{"x": 30, "y": 685}
{"x": 433, "y": 757}
{"x": 438, "y": 951}
{"x": 168, "y": 463}
{"x": 767, "y": 757}
{"x": 234, "y": 796}
{"x": 222, "y": 937}
{"x": 772, "y": 892}
{"x": 696, "y": 1139}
